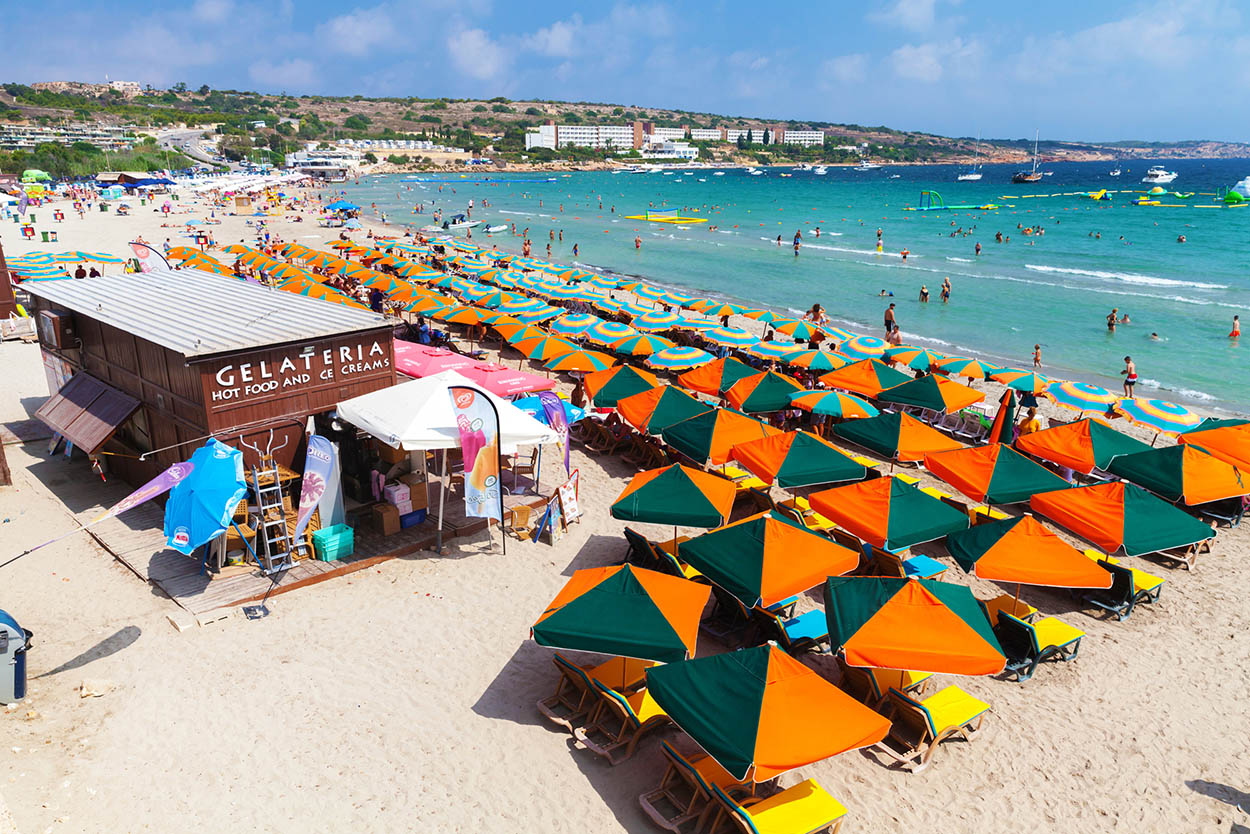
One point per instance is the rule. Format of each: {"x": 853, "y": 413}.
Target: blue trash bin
{"x": 14, "y": 641}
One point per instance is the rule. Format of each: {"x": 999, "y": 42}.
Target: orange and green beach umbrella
{"x": 1120, "y": 516}
{"x": 1026, "y": 381}
{"x": 896, "y": 435}
{"x": 889, "y": 513}
{"x": 641, "y": 344}
{"x": 832, "y": 404}
{"x": 625, "y": 611}
{"x": 710, "y": 437}
{"x": 763, "y": 392}
{"x": 752, "y": 711}
{"x": 818, "y": 361}
{"x": 610, "y": 386}
{"x": 969, "y": 368}
{"x": 581, "y": 360}
{"x": 798, "y": 459}
{"x": 995, "y": 474}
{"x": 913, "y": 357}
{"x": 1182, "y": 473}
{"x": 716, "y": 377}
{"x": 867, "y": 378}
{"x": 933, "y": 392}
{"x": 766, "y": 558}
{"x": 1228, "y": 440}
{"x": 918, "y": 624}
{"x": 658, "y": 408}
{"x": 1082, "y": 446}
{"x": 676, "y": 495}
{"x": 797, "y": 328}
{"x": 542, "y": 348}
{"x": 1024, "y": 551}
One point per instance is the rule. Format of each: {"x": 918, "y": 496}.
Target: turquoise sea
{"x": 1054, "y": 289}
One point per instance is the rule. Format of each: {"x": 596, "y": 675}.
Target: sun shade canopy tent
{"x": 798, "y": 459}
{"x": 996, "y": 474}
{"x": 898, "y": 436}
{"x": 769, "y": 391}
{"x": 716, "y": 377}
{"x": 868, "y": 377}
{"x": 766, "y": 558}
{"x": 935, "y": 393}
{"x": 1120, "y": 516}
{"x": 656, "y": 409}
{"x": 625, "y": 611}
{"x": 916, "y": 624}
{"x": 676, "y": 495}
{"x": 1182, "y": 473}
{"x": 1025, "y": 551}
{"x": 1228, "y": 440}
{"x": 752, "y": 710}
{"x": 1082, "y": 446}
{"x": 418, "y": 415}
{"x": 889, "y": 513}
{"x": 710, "y": 437}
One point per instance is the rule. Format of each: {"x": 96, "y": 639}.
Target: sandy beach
{"x": 402, "y": 698}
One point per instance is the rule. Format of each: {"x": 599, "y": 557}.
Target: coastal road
{"x": 187, "y": 142}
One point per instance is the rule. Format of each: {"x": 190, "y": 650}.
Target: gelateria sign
{"x": 288, "y": 371}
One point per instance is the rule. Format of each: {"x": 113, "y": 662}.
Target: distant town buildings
{"x": 642, "y": 134}
{"x": 27, "y": 137}
{"x": 129, "y": 89}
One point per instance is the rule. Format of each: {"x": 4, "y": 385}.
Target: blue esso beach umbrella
{"x": 200, "y": 506}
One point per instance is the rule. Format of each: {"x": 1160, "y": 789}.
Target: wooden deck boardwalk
{"x": 137, "y": 541}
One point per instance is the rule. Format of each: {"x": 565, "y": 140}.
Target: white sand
{"x": 402, "y": 698}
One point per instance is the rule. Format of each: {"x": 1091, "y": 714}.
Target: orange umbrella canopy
{"x": 711, "y": 436}
{"x": 625, "y": 611}
{"x": 1082, "y": 446}
{"x": 677, "y": 495}
{"x": 995, "y": 473}
{"x": 933, "y": 392}
{"x": 868, "y": 377}
{"x": 1230, "y": 443}
{"x": 766, "y": 558}
{"x": 1119, "y": 515}
{"x": 889, "y": 513}
{"x": 657, "y": 408}
{"x": 715, "y": 377}
{"x": 1182, "y": 473}
{"x": 1024, "y": 550}
{"x": 798, "y": 459}
{"x": 753, "y": 709}
{"x": 896, "y": 435}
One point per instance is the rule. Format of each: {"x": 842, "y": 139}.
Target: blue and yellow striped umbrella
{"x": 678, "y": 358}
{"x": 863, "y": 347}
{"x": 608, "y": 332}
{"x": 102, "y": 257}
{"x": 574, "y": 324}
{"x": 1081, "y": 396}
{"x": 522, "y": 305}
{"x": 731, "y": 337}
{"x": 775, "y": 350}
{"x": 1160, "y": 415}
{"x": 654, "y": 321}
{"x": 641, "y": 344}
{"x": 542, "y": 314}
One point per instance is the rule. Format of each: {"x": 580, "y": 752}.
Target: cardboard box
{"x": 404, "y": 507}
{"x": 390, "y": 454}
{"x": 419, "y": 496}
{"x": 396, "y": 493}
{"x": 386, "y": 519}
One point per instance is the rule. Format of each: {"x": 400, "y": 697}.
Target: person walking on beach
{"x": 1112, "y": 318}
{"x": 1130, "y": 377}
{"x": 1037, "y": 357}
{"x": 1236, "y": 331}
{"x": 889, "y": 319}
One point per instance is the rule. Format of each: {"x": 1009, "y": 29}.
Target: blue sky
{"x": 1076, "y": 70}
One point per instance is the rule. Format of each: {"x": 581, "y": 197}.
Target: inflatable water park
{"x": 1234, "y": 197}
{"x": 932, "y": 201}
{"x": 667, "y": 216}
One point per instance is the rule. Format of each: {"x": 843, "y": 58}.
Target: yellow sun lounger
{"x": 575, "y": 695}
{"x": 804, "y": 808}
{"x": 920, "y": 726}
{"x": 1027, "y": 644}
{"x": 869, "y": 685}
{"x": 619, "y": 723}
{"x": 685, "y": 791}
{"x": 1006, "y": 603}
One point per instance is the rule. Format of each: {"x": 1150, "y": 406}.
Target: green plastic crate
{"x": 333, "y": 543}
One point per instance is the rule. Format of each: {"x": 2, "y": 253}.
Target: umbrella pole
{"x": 442, "y": 499}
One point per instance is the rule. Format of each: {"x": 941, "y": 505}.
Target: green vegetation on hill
{"x": 83, "y": 159}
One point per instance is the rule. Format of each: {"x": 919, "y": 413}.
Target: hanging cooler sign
{"x": 478, "y": 424}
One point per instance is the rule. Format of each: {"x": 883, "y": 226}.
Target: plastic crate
{"x": 333, "y": 543}
{"x": 411, "y": 519}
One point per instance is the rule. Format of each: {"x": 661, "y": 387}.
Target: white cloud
{"x": 916, "y": 15}
{"x": 359, "y": 31}
{"x": 846, "y": 69}
{"x": 294, "y": 74}
{"x": 474, "y": 53}
{"x": 929, "y": 62}
{"x": 212, "y": 11}
{"x": 559, "y": 40}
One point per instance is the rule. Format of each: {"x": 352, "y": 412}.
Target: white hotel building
{"x": 806, "y": 138}
{"x": 554, "y": 136}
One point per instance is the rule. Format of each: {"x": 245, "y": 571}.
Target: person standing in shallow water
{"x": 1130, "y": 376}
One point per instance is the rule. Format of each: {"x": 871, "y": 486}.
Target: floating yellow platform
{"x": 655, "y": 217}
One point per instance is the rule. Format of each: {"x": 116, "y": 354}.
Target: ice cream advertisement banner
{"x": 479, "y": 441}
{"x": 148, "y": 258}
{"x": 318, "y": 464}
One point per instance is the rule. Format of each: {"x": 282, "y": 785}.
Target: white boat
{"x": 755, "y": 172}
{"x": 490, "y": 230}
{"x": 471, "y": 224}
{"x": 1115, "y": 172}
{"x": 1159, "y": 174}
{"x": 718, "y": 174}
{"x": 820, "y": 170}
{"x": 867, "y": 166}
{"x": 973, "y": 174}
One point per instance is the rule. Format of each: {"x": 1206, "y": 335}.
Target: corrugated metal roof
{"x": 197, "y": 313}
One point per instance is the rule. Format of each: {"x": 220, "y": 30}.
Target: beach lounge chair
{"x": 890, "y": 563}
{"x": 812, "y": 520}
{"x": 808, "y": 631}
{"x": 1229, "y": 510}
{"x": 669, "y": 563}
{"x": 952, "y": 501}
{"x": 920, "y": 726}
{"x": 730, "y": 622}
{"x": 1028, "y": 644}
{"x": 640, "y": 552}
{"x": 805, "y": 808}
{"x": 984, "y": 515}
{"x": 575, "y": 695}
{"x": 869, "y": 686}
{"x": 1129, "y": 587}
{"x": 686, "y": 790}
{"x": 1006, "y": 603}
{"x": 619, "y": 722}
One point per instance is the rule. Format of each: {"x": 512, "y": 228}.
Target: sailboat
{"x": 974, "y": 173}
{"x": 1029, "y": 176}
